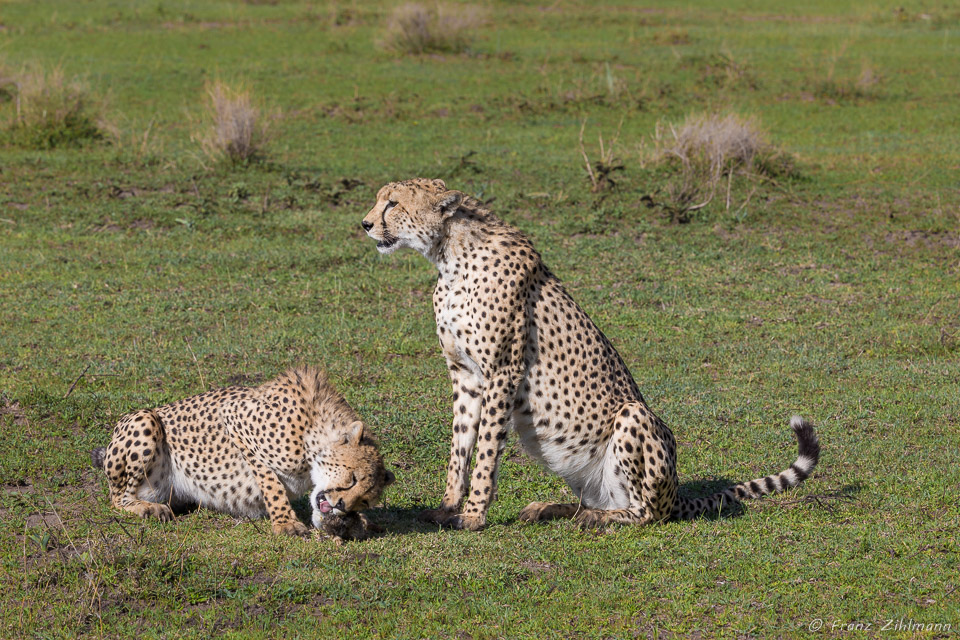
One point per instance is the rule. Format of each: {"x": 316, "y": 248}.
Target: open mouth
{"x": 323, "y": 505}
{"x": 325, "y": 508}
{"x": 388, "y": 242}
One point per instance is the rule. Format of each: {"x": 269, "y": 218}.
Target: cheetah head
{"x": 411, "y": 214}
{"x": 349, "y": 475}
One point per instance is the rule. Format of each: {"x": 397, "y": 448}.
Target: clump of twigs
{"x": 236, "y": 129}
{"x": 706, "y": 154}
{"x": 600, "y": 172}
{"x": 415, "y": 28}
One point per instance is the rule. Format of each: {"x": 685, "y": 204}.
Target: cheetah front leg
{"x": 467, "y": 399}
{"x": 495, "y": 411}
{"x": 135, "y": 463}
{"x": 282, "y": 517}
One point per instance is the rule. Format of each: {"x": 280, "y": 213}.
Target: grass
{"x": 235, "y": 130}
{"x": 833, "y": 296}
{"x": 46, "y": 109}
{"x": 444, "y": 28}
{"x": 707, "y": 150}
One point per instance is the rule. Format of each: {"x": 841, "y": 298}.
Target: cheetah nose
{"x": 366, "y": 225}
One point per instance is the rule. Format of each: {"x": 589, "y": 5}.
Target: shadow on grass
{"x": 706, "y": 487}
{"x": 403, "y": 521}
{"x": 399, "y": 521}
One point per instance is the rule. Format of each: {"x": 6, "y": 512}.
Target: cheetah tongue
{"x": 325, "y": 507}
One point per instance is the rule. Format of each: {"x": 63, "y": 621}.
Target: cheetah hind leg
{"x": 645, "y": 453}
{"x": 541, "y": 511}
{"x": 136, "y": 464}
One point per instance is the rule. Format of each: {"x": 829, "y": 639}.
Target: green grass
{"x": 835, "y": 296}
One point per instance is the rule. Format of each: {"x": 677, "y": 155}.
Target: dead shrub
{"x": 235, "y": 129}
{"x": 44, "y": 109}
{"x": 416, "y": 28}
{"x": 707, "y": 152}
{"x": 600, "y": 172}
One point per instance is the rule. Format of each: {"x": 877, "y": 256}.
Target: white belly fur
{"x": 177, "y": 488}
{"x": 591, "y": 479}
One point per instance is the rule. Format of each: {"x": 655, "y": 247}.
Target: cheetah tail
{"x": 809, "y": 445}
{"x": 96, "y": 457}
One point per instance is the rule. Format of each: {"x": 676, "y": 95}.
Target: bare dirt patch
{"x": 537, "y": 567}
{"x": 110, "y": 226}
{"x": 14, "y": 409}
{"x": 50, "y": 520}
{"x": 18, "y": 486}
{"x": 929, "y": 239}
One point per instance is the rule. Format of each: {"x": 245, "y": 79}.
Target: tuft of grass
{"x": 45, "y": 109}
{"x": 600, "y": 172}
{"x": 415, "y": 28}
{"x": 235, "y": 130}
{"x": 707, "y": 151}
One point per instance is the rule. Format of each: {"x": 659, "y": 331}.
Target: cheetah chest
{"x": 457, "y": 329}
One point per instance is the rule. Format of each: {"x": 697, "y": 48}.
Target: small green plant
{"x": 44, "y": 109}
{"x": 235, "y": 129}
{"x": 415, "y": 28}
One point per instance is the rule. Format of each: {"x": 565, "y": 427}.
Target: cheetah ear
{"x": 449, "y": 202}
{"x": 439, "y": 184}
{"x": 389, "y": 478}
{"x": 354, "y": 433}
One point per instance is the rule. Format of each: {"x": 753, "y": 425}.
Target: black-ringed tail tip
{"x": 800, "y": 470}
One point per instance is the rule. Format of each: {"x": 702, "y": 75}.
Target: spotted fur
{"x": 247, "y": 452}
{"x": 522, "y": 354}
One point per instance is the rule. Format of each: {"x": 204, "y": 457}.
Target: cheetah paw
{"x": 591, "y": 518}
{"x": 295, "y": 528}
{"x": 533, "y": 512}
{"x": 468, "y": 522}
{"x": 161, "y": 512}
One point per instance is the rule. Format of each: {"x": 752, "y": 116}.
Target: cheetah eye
{"x": 390, "y": 205}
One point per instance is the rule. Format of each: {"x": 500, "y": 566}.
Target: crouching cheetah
{"x": 247, "y": 452}
{"x": 522, "y": 354}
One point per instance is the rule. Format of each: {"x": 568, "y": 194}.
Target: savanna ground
{"x": 134, "y": 271}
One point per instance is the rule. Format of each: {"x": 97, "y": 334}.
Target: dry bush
{"x": 600, "y": 172}
{"x": 45, "y": 109}
{"x": 709, "y": 151}
{"x": 415, "y": 28}
{"x": 235, "y": 129}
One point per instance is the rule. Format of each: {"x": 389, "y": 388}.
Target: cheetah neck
{"x": 460, "y": 238}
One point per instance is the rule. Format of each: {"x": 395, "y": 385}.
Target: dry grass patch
{"x": 44, "y": 109}
{"x": 234, "y": 129}
{"x": 708, "y": 153}
{"x": 600, "y": 172}
{"x": 416, "y": 28}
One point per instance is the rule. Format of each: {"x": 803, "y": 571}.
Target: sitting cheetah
{"x": 521, "y": 353}
{"x": 247, "y": 451}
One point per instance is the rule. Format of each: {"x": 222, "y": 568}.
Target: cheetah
{"x": 522, "y": 355}
{"x": 247, "y": 452}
